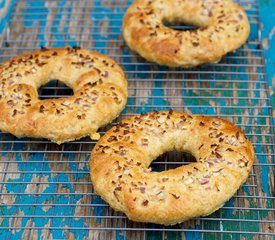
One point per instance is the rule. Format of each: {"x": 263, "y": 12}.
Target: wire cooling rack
{"x": 46, "y": 191}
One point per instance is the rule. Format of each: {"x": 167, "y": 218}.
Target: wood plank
{"x": 46, "y": 188}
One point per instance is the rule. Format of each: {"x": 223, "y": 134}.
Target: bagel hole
{"x": 54, "y": 89}
{"x": 180, "y": 26}
{"x": 172, "y": 160}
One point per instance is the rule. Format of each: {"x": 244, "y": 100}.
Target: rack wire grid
{"x": 46, "y": 192}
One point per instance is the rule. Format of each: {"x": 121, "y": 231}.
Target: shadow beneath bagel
{"x": 172, "y": 160}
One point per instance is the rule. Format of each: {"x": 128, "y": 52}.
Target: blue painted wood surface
{"x": 267, "y": 13}
{"x": 63, "y": 172}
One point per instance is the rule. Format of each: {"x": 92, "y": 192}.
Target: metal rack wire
{"x": 45, "y": 189}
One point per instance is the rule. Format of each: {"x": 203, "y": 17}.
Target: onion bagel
{"x": 223, "y": 27}
{"x": 99, "y": 85}
{"x": 121, "y": 175}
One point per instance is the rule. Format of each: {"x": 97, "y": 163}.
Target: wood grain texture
{"x": 267, "y": 16}
{"x": 45, "y": 188}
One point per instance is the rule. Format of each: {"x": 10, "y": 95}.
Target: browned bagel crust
{"x": 121, "y": 175}
{"x": 223, "y": 24}
{"x": 99, "y": 85}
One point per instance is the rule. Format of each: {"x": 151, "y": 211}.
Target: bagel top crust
{"x": 121, "y": 174}
{"x": 99, "y": 85}
{"x": 223, "y": 27}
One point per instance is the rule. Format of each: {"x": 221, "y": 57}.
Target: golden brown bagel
{"x": 99, "y": 85}
{"x": 121, "y": 174}
{"x": 223, "y": 24}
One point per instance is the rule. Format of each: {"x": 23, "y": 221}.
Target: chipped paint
{"x": 30, "y": 233}
{"x": 46, "y": 233}
{"x": 71, "y": 198}
{"x": 32, "y": 188}
{"x": 47, "y": 206}
{"x": 7, "y": 199}
{"x": 265, "y": 43}
{"x": 18, "y": 221}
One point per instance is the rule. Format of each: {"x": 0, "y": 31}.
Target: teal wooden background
{"x": 45, "y": 189}
{"x": 267, "y": 13}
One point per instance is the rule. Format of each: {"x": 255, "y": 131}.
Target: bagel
{"x": 99, "y": 85}
{"x": 223, "y": 27}
{"x": 121, "y": 175}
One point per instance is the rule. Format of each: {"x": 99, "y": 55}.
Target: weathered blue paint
{"x": 264, "y": 171}
{"x": 193, "y": 235}
{"x": 4, "y": 19}
{"x": 120, "y": 236}
{"x": 30, "y": 20}
{"x": 267, "y": 16}
{"x": 98, "y": 210}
